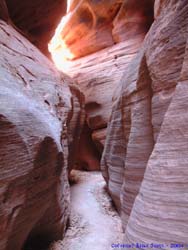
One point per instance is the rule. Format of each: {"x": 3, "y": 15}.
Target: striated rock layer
{"x": 145, "y": 156}
{"x": 38, "y": 112}
{"x": 102, "y": 46}
{"x": 98, "y": 76}
{"x": 90, "y": 26}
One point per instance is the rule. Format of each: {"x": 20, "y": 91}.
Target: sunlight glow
{"x": 68, "y": 5}
{"x": 61, "y": 54}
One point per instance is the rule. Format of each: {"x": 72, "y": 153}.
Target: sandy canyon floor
{"x": 94, "y": 223}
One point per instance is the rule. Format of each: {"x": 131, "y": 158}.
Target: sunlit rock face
{"x": 40, "y": 117}
{"x": 86, "y": 28}
{"x": 145, "y": 156}
{"x": 90, "y": 26}
{"x": 95, "y": 49}
{"x": 37, "y": 19}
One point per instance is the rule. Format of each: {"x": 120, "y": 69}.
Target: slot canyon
{"x": 93, "y": 124}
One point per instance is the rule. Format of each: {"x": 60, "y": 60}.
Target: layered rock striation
{"x": 144, "y": 160}
{"x": 134, "y": 81}
{"x": 102, "y": 44}
{"x": 40, "y": 117}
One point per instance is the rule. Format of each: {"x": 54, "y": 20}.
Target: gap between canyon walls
{"x": 94, "y": 223}
{"x": 99, "y": 78}
{"x": 141, "y": 87}
{"x": 100, "y": 49}
{"x": 110, "y": 34}
{"x": 125, "y": 99}
{"x": 118, "y": 101}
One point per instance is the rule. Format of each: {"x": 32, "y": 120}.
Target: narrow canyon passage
{"x": 93, "y": 120}
{"x": 94, "y": 223}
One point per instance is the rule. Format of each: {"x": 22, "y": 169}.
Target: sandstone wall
{"x": 102, "y": 47}
{"x": 145, "y": 156}
{"x": 38, "y": 113}
{"x": 138, "y": 88}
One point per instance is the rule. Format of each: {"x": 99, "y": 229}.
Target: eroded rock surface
{"x": 144, "y": 84}
{"x": 90, "y": 26}
{"x": 98, "y": 76}
{"x": 36, "y": 113}
{"x": 111, "y": 33}
{"x": 144, "y": 161}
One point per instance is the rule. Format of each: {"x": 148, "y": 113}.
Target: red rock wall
{"x": 90, "y": 26}
{"x": 98, "y": 76}
{"x": 112, "y": 41}
{"x": 36, "y": 117}
{"x": 134, "y": 17}
{"x": 144, "y": 84}
{"x": 144, "y": 160}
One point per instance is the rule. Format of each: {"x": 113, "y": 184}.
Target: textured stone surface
{"x": 90, "y": 26}
{"x": 146, "y": 147}
{"x": 36, "y": 113}
{"x": 86, "y": 28}
{"x": 98, "y": 76}
{"x": 145, "y": 157}
{"x": 133, "y": 18}
{"x": 119, "y": 28}
{"x": 76, "y": 121}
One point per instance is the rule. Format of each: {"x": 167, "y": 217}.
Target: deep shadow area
{"x": 37, "y": 19}
{"x": 37, "y": 242}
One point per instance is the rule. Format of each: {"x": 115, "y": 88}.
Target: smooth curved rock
{"x": 86, "y": 28}
{"x": 91, "y": 26}
{"x": 99, "y": 73}
{"x": 144, "y": 160}
{"x": 162, "y": 200}
{"x": 134, "y": 17}
{"x": 35, "y": 113}
{"x": 76, "y": 122}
